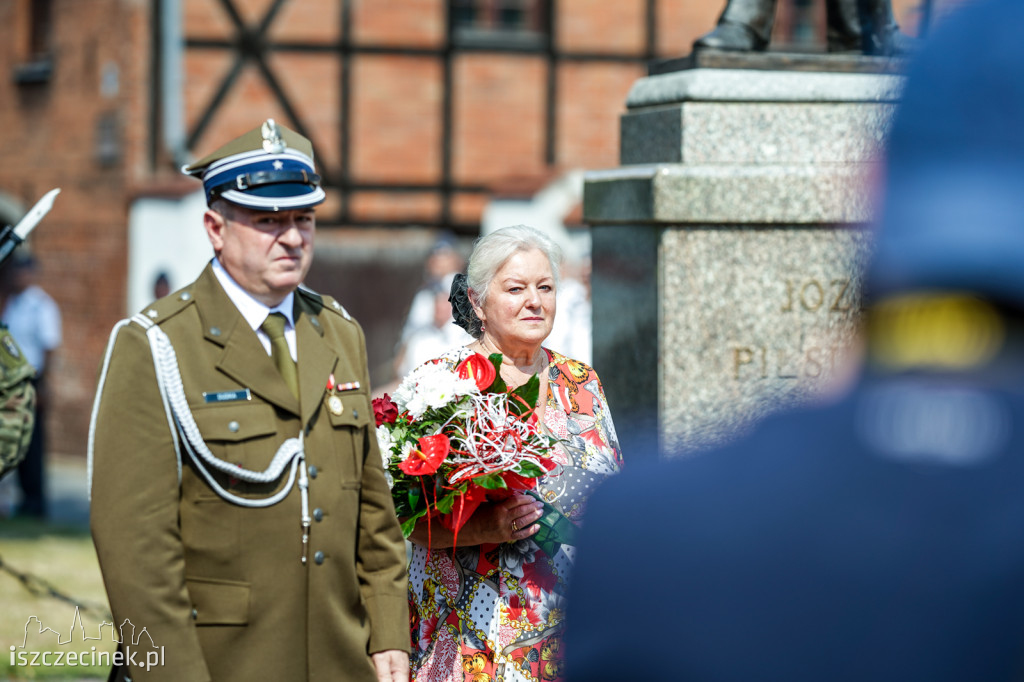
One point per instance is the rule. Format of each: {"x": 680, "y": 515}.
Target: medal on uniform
{"x": 334, "y": 403}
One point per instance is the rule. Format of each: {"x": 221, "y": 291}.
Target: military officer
{"x": 239, "y": 506}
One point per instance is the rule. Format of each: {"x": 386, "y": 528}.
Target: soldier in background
{"x": 17, "y": 403}
{"x": 35, "y": 322}
{"x": 878, "y": 537}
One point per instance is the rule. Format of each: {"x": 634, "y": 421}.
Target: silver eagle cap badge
{"x": 272, "y": 142}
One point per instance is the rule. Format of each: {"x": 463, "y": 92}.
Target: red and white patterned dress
{"x": 495, "y": 612}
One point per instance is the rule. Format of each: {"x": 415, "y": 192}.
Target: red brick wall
{"x": 49, "y": 141}
{"x": 396, "y": 119}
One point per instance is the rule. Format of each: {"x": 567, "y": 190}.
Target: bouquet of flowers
{"x": 454, "y": 439}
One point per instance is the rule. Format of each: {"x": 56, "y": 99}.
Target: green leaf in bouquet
{"x": 409, "y": 525}
{"x": 498, "y": 385}
{"x": 529, "y": 470}
{"x": 491, "y": 482}
{"x": 414, "y": 495}
{"x": 402, "y": 508}
{"x": 528, "y": 394}
{"x": 445, "y": 503}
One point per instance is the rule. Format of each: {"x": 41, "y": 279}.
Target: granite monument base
{"x": 728, "y": 247}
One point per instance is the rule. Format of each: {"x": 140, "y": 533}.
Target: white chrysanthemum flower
{"x": 416, "y": 406}
{"x": 384, "y": 442}
{"x": 430, "y": 387}
{"x": 403, "y": 394}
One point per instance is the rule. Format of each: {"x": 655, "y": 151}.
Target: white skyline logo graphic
{"x": 136, "y": 649}
{"x": 117, "y": 636}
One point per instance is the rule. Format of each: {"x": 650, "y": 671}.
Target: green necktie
{"x": 273, "y": 326}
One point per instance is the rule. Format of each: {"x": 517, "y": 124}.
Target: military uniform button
{"x": 318, "y": 558}
{"x": 195, "y": 614}
{"x": 152, "y": 313}
{"x": 215, "y": 331}
{"x": 185, "y": 296}
{"x": 355, "y": 414}
{"x": 313, "y": 471}
{"x": 233, "y": 427}
{"x": 318, "y": 514}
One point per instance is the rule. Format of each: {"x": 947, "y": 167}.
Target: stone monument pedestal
{"x": 728, "y": 246}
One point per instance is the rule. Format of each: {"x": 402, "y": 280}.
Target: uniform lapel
{"x": 317, "y": 359}
{"x": 243, "y": 357}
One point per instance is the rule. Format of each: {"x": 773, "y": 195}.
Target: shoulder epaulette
{"x": 167, "y": 307}
{"x": 328, "y": 302}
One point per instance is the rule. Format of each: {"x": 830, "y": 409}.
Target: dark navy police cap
{"x": 269, "y": 168}
{"x": 953, "y": 207}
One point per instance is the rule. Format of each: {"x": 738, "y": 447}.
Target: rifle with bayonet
{"x": 17, "y": 393}
{"x": 11, "y": 237}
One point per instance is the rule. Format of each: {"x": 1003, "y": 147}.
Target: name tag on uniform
{"x": 227, "y": 396}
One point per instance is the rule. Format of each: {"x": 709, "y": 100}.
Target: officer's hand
{"x": 392, "y": 665}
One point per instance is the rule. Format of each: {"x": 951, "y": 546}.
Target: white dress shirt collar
{"x": 254, "y": 311}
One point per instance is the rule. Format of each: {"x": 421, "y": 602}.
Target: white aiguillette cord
{"x": 180, "y": 418}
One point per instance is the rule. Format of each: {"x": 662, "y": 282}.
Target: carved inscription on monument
{"x": 831, "y": 296}
{"x": 754, "y": 321}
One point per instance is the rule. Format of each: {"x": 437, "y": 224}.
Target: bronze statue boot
{"x": 745, "y": 26}
{"x": 865, "y": 27}
{"x": 733, "y": 37}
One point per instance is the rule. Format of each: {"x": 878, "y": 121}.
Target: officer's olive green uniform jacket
{"x": 221, "y": 587}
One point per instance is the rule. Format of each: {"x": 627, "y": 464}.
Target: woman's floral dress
{"x": 495, "y": 612}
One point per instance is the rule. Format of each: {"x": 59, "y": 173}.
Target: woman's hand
{"x": 506, "y": 521}
{"x": 492, "y": 522}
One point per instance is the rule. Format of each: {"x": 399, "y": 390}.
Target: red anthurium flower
{"x": 385, "y": 411}
{"x": 516, "y": 482}
{"x": 426, "y": 459}
{"x": 479, "y": 369}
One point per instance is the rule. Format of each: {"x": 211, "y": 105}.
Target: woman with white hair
{"x": 493, "y": 609}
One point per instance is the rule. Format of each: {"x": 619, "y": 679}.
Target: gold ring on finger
{"x": 515, "y": 527}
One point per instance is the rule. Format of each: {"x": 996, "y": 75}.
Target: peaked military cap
{"x": 269, "y": 168}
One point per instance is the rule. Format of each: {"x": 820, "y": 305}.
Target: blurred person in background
{"x": 492, "y": 609}
{"x": 444, "y": 260}
{"x": 431, "y": 340}
{"x": 34, "y": 321}
{"x": 572, "y": 334}
{"x": 877, "y": 537}
{"x": 161, "y": 286}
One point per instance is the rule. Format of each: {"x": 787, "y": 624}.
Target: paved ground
{"x": 67, "y": 487}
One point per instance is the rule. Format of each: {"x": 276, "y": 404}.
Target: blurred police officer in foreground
{"x": 880, "y": 537}
{"x": 239, "y": 506}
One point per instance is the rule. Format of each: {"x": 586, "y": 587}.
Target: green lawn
{"x": 65, "y": 559}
